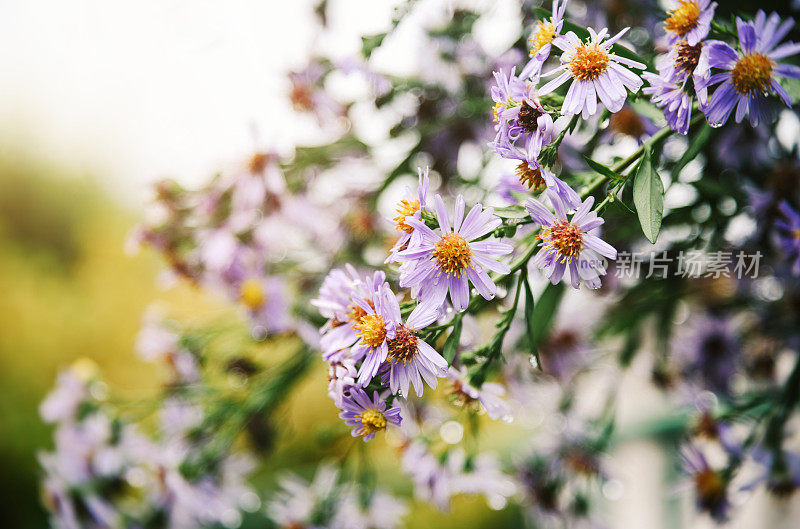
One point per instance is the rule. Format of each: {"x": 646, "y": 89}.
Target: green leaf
{"x": 648, "y": 196}
{"x": 603, "y": 170}
{"x": 511, "y": 212}
{"x": 529, "y": 319}
{"x": 370, "y": 42}
{"x": 792, "y": 87}
{"x": 451, "y": 344}
{"x": 696, "y": 145}
{"x": 632, "y": 342}
{"x": 542, "y": 313}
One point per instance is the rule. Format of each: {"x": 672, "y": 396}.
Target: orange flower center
{"x": 752, "y": 72}
{"x": 372, "y": 420}
{"x": 589, "y": 62}
{"x": 301, "y": 98}
{"x": 627, "y": 121}
{"x": 403, "y": 347}
{"x": 530, "y": 176}
{"x": 251, "y": 293}
{"x": 452, "y": 254}
{"x": 683, "y": 18}
{"x": 371, "y": 329}
{"x": 565, "y": 238}
{"x": 544, "y": 35}
{"x": 357, "y": 313}
{"x": 258, "y": 162}
{"x": 404, "y": 209}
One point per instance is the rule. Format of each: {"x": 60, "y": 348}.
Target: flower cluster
{"x": 746, "y": 77}
{"x": 132, "y": 477}
{"x": 328, "y": 502}
{"x": 236, "y": 236}
{"x": 494, "y": 317}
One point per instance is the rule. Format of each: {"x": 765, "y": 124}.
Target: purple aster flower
{"x": 432, "y": 480}
{"x": 507, "y": 92}
{"x": 309, "y": 95}
{"x": 669, "y": 90}
{"x": 410, "y": 206}
{"x": 596, "y": 72}
{"x": 368, "y": 416}
{"x": 375, "y": 328}
{"x": 411, "y": 359}
{"x": 565, "y": 352}
{"x": 670, "y": 96}
{"x": 689, "y": 20}
{"x": 788, "y": 230}
{"x": 750, "y": 74}
{"x": 519, "y": 114}
{"x": 710, "y": 486}
{"x": 265, "y": 299}
{"x": 781, "y": 471}
{"x": 537, "y": 177}
{"x": 337, "y": 301}
{"x": 62, "y": 404}
{"x": 341, "y": 378}
{"x": 489, "y": 395}
{"x": 572, "y": 243}
{"x": 630, "y": 123}
{"x": 709, "y": 350}
{"x": 507, "y": 186}
{"x": 446, "y": 260}
{"x": 546, "y": 30}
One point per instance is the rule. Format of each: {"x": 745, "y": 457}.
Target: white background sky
{"x": 130, "y": 91}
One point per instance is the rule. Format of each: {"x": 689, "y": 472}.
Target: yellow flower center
{"x": 371, "y": 329}
{"x": 452, "y": 254}
{"x": 404, "y": 209}
{"x": 530, "y": 176}
{"x": 752, "y": 72}
{"x": 589, "y": 62}
{"x": 251, "y": 293}
{"x": 403, "y": 347}
{"x": 372, "y": 420}
{"x": 796, "y": 233}
{"x": 498, "y": 107}
{"x": 683, "y": 18}
{"x": 544, "y": 35}
{"x": 565, "y": 238}
{"x": 357, "y": 313}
